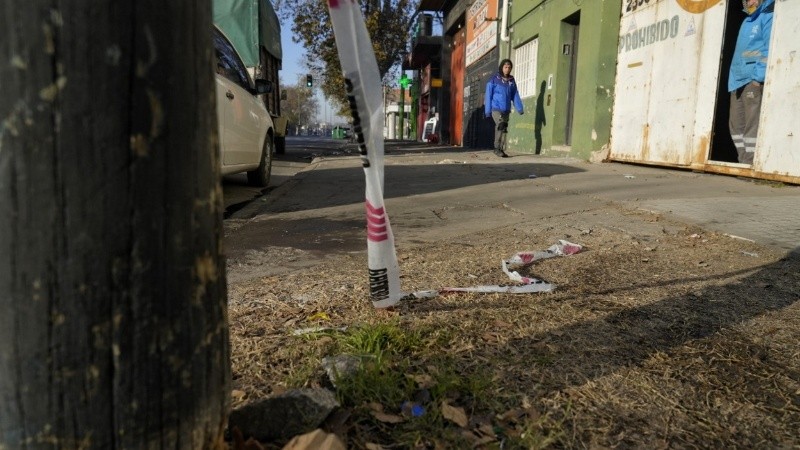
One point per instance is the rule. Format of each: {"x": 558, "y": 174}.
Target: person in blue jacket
{"x": 746, "y": 77}
{"x": 500, "y": 91}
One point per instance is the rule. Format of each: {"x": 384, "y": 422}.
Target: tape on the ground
{"x": 364, "y": 94}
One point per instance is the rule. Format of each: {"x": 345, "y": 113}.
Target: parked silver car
{"x": 245, "y": 127}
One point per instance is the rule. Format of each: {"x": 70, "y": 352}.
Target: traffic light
{"x": 309, "y": 81}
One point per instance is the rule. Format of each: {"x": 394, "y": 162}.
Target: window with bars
{"x": 525, "y": 68}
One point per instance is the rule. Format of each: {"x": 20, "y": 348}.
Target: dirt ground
{"x": 663, "y": 337}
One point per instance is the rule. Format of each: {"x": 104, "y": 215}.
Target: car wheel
{"x": 280, "y": 145}
{"x": 260, "y": 176}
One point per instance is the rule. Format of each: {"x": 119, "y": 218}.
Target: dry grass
{"x": 667, "y": 337}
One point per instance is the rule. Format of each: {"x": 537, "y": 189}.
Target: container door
{"x": 777, "y": 148}
{"x": 667, "y": 76}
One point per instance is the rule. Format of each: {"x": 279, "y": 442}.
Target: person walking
{"x": 501, "y": 90}
{"x": 746, "y": 77}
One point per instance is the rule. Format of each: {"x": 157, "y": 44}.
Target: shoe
{"x": 500, "y": 153}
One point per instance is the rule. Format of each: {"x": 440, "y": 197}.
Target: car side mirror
{"x": 263, "y": 86}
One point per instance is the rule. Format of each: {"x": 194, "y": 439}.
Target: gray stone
{"x": 340, "y": 366}
{"x": 290, "y": 414}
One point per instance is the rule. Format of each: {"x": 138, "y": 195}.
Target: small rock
{"x": 340, "y": 366}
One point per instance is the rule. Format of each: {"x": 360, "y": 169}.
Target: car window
{"x": 229, "y": 64}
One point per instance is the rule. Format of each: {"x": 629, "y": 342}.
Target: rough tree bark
{"x": 113, "y": 326}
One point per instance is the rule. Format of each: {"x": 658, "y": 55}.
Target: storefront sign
{"x": 482, "y": 25}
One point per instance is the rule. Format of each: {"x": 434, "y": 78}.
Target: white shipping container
{"x": 668, "y": 92}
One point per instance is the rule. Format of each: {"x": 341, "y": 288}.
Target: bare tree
{"x": 113, "y": 332}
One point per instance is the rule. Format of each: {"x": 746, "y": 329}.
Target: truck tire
{"x": 280, "y": 145}
{"x": 260, "y": 176}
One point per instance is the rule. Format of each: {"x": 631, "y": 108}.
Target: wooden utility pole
{"x": 113, "y": 329}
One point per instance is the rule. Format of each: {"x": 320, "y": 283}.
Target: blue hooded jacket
{"x": 499, "y": 94}
{"x": 750, "y": 57}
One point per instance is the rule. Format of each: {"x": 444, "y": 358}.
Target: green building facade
{"x": 564, "y": 54}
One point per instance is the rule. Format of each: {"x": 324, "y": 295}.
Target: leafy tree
{"x": 388, "y": 22}
{"x": 113, "y": 331}
{"x": 300, "y": 105}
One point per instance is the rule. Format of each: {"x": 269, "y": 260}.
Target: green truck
{"x": 253, "y": 28}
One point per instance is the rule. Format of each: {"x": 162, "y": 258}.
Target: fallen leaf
{"x": 491, "y": 337}
{"x": 387, "y": 418}
{"x": 237, "y": 394}
{"x": 501, "y": 324}
{"x": 371, "y": 446}
{"x": 484, "y": 440}
{"x": 455, "y": 414}
{"x": 486, "y": 429}
{"x": 290, "y": 322}
{"x": 469, "y": 435}
{"x": 512, "y": 415}
{"x": 315, "y": 440}
{"x": 424, "y": 381}
{"x": 375, "y": 406}
{"x": 319, "y": 316}
{"x": 533, "y": 414}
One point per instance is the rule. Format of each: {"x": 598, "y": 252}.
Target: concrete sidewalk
{"x": 436, "y": 193}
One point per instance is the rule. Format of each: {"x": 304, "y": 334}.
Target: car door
{"x": 241, "y": 115}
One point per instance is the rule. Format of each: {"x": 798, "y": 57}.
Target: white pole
{"x": 504, "y": 23}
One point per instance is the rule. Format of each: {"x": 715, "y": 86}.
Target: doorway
{"x": 570, "y": 50}
{"x": 457, "y": 66}
{"x": 722, "y": 147}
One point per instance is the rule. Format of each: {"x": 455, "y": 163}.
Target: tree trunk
{"x": 113, "y": 331}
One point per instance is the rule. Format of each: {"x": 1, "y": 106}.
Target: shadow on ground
{"x": 345, "y": 186}
{"x": 710, "y": 367}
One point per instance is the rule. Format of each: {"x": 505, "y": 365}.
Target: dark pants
{"x": 500, "y": 129}
{"x": 743, "y": 123}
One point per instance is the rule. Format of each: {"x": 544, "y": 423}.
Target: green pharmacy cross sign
{"x": 405, "y": 82}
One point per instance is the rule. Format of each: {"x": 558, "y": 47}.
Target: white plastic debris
{"x": 312, "y": 330}
{"x": 527, "y": 285}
